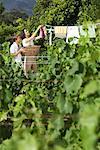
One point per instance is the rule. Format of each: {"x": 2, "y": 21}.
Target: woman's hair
{"x": 23, "y": 35}
{"x": 26, "y": 32}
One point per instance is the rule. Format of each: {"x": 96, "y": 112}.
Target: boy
{"x": 15, "y": 50}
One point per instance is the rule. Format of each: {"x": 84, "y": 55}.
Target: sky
{"x": 26, "y": 5}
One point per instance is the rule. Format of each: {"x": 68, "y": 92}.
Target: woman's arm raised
{"x": 34, "y": 34}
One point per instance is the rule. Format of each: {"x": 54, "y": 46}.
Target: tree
{"x": 97, "y": 10}
{"x": 56, "y": 12}
{"x": 10, "y": 17}
{"x": 62, "y": 12}
{"x": 8, "y": 22}
{"x": 1, "y": 8}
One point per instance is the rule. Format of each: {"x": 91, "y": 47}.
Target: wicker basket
{"x": 29, "y": 61}
{"x": 32, "y": 51}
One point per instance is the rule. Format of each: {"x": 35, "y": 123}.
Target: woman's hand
{"x": 34, "y": 34}
{"x": 40, "y": 26}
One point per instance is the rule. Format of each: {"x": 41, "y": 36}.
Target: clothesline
{"x": 70, "y": 32}
{"x": 69, "y": 25}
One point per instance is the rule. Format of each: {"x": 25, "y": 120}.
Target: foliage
{"x": 11, "y": 17}
{"x": 1, "y": 8}
{"x": 8, "y": 23}
{"x": 11, "y": 74}
{"x": 59, "y": 104}
{"x": 52, "y": 12}
{"x": 57, "y": 12}
{"x": 6, "y": 31}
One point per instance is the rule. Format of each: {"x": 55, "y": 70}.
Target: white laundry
{"x": 73, "y": 32}
{"x": 91, "y": 31}
{"x": 74, "y": 41}
{"x": 82, "y": 31}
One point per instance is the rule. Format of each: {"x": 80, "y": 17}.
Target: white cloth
{"x": 82, "y": 31}
{"x": 27, "y": 43}
{"x": 13, "y": 49}
{"x": 74, "y": 41}
{"x": 60, "y": 31}
{"x": 72, "y": 32}
{"x": 91, "y": 31}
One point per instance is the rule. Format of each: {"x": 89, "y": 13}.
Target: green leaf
{"x": 90, "y": 88}
{"x": 97, "y": 102}
{"x": 72, "y": 84}
{"x": 0, "y": 87}
{"x": 60, "y": 102}
{"x": 8, "y": 95}
{"x": 3, "y": 115}
{"x": 89, "y": 120}
{"x": 58, "y": 123}
{"x": 20, "y": 104}
{"x": 74, "y": 68}
{"x": 68, "y": 107}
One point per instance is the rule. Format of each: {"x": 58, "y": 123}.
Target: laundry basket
{"x": 30, "y": 54}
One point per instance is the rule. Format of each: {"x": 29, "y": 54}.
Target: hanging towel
{"x": 60, "y": 31}
{"x": 43, "y": 32}
{"x": 72, "y": 32}
{"x": 91, "y": 31}
{"x": 82, "y": 31}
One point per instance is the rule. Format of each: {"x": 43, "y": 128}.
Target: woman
{"x": 28, "y": 40}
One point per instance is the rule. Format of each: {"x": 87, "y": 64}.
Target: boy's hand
{"x": 22, "y": 50}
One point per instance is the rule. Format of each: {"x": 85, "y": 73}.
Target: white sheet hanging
{"x": 82, "y": 31}
{"x": 91, "y": 31}
{"x": 73, "y": 32}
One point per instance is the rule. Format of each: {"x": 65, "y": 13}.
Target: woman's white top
{"x": 26, "y": 42}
